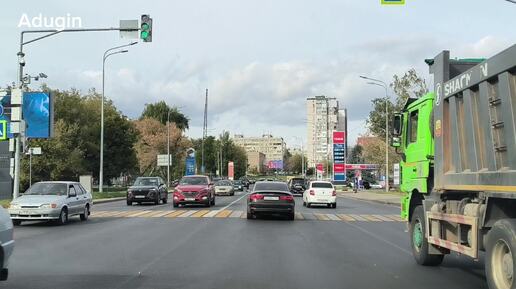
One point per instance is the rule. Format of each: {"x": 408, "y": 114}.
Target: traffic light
{"x": 146, "y": 28}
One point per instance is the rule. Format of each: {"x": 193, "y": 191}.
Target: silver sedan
{"x": 6, "y": 242}
{"x": 55, "y": 201}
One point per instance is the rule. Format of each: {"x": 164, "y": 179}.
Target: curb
{"x": 101, "y": 201}
{"x": 385, "y": 202}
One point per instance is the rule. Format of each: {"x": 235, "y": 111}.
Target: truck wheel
{"x": 419, "y": 242}
{"x": 500, "y": 250}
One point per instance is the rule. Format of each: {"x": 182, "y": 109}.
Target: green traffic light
{"x": 144, "y": 35}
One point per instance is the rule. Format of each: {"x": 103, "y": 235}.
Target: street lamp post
{"x": 107, "y": 53}
{"x": 384, "y": 85}
{"x": 168, "y": 147}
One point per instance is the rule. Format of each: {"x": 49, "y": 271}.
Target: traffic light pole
{"x": 21, "y": 63}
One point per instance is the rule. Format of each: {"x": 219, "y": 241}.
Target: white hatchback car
{"x": 320, "y": 192}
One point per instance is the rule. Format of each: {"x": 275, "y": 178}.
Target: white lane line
{"x": 333, "y": 217}
{"x": 230, "y": 204}
{"x": 211, "y": 214}
{"x": 379, "y": 238}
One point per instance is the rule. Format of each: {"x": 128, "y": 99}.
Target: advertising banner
{"x": 276, "y": 164}
{"x": 231, "y": 170}
{"x": 339, "y": 156}
{"x": 190, "y": 162}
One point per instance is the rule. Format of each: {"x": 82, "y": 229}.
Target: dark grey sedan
{"x": 270, "y": 198}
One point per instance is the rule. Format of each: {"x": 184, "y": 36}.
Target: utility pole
{"x": 204, "y": 131}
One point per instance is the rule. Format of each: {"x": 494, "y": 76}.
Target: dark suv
{"x": 297, "y": 186}
{"x": 147, "y": 189}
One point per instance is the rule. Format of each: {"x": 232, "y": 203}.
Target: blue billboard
{"x": 190, "y": 162}
{"x": 38, "y": 113}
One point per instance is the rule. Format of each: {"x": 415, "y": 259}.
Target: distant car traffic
{"x": 238, "y": 185}
{"x": 320, "y": 192}
{"x": 147, "y": 189}
{"x": 270, "y": 198}
{"x": 224, "y": 187}
{"x": 194, "y": 190}
{"x": 297, "y": 186}
{"x": 6, "y": 242}
{"x": 51, "y": 201}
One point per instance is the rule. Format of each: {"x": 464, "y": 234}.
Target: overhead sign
{"x": 3, "y": 129}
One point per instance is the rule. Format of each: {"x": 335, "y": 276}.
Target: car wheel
{"x": 156, "y": 202}
{"x": 291, "y": 216}
{"x": 250, "y": 216}
{"x": 419, "y": 242}
{"x": 334, "y": 205}
{"x": 129, "y": 203}
{"x": 84, "y": 216}
{"x": 165, "y": 199}
{"x": 308, "y": 205}
{"x": 63, "y": 217}
{"x": 174, "y": 204}
{"x": 213, "y": 201}
{"x": 304, "y": 204}
{"x": 17, "y": 222}
{"x": 329, "y": 205}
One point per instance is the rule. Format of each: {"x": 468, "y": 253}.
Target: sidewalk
{"x": 374, "y": 196}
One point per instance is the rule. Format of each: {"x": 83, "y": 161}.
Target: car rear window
{"x": 270, "y": 186}
{"x": 322, "y": 185}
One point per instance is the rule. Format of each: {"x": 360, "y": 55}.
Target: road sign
{"x": 3, "y": 129}
{"x": 396, "y": 174}
{"x": 162, "y": 160}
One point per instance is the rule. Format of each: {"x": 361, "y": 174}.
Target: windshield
{"x": 57, "y": 189}
{"x": 265, "y": 186}
{"x": 146, "y": 182}
{"x": 194, "y": 181}
{"x": 223, "y": 183}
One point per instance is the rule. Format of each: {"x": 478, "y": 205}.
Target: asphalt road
{"x": 153, "y": 247}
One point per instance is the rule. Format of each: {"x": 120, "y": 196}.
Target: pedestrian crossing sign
{"x": 3, "y": 129}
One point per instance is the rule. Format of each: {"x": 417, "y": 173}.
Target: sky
{"x": 260, "y": 59}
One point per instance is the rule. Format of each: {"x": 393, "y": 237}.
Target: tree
{"x": 160, "y": 111}
{"x": 408, "y": 85}
{"x": 374, "y": 153}
{"x": 294, "y": 163}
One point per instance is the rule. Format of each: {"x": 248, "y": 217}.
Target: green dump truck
{"x": 458, "y": 168}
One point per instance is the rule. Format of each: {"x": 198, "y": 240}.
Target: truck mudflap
{"x": 470, "y": 224}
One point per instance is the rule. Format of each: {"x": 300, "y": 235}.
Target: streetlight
{"x": 168, "y": 147}
{"x": 378, "y": 82}
{"x": 107, "y": 53}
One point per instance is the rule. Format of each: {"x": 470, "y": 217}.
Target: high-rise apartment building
{"x": 323, "y": 118}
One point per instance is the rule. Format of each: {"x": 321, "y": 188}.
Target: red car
{"x": 194, "y": 190}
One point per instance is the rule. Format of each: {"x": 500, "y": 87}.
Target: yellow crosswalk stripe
{"x": 98, "y": 213}
{"x": 371, "y": 218}
{"x": 187, "y": 213}
{"x": 244, "y": 215}
{"x": 395, "y": 217}
{"x": 161, "y": 214}
{"x": 223, "y": 214}
{"x": 136, "y": 214}
{"x": 321, "y": 217}
{"x": 333, "y": 217}
{"x": 200, "y": 213}
{"x": 346, "y": 217}
{"x": 236, "y": 214}
{"x": 146, "y": 215}
{"x": 211, "y": 214}
{"x": 175, "y": 213}
{"x": 299, "y": 216}
{"x": 126, "y": 213}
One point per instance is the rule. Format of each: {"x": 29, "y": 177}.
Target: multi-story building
{"x": 256, "y": 162}
{"x": 272, "y": 147}
{"x": 323, "y": 118}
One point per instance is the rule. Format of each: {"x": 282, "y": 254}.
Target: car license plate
{"x": 189, "y": 199}
{"x": 321, "y": 200}
{"x": 139, "y": 197}
{"x": 24, "y": 213}
{"x": 271, "y": 198}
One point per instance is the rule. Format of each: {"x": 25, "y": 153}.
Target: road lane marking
{"x": 358, "y": 218}
{"x": 333, "y": 217}
{"x": 321, "y": 217}
{"x": 175, "y": 213}
{"x": 383, "y": 218}
{"x": 236, "y": 214}
{"x": 379, "y": 238}
{"x": 137, "y": 214}
{"x": 309, "y": 216}
{"x": 187, "y": 213}
{"x": 161, "y": 214}
{"x": 396, "y": 218}
{"x": 230, "y": 204}
{"x": 149, "y": 214}
{"x": 299, "y": 216}
{"x": 200, "y": 213}
{"x": 223, "y": 214}
{"x": 99, "y": 213}
{"x": 346, "y": 217}
{"x": 211, "y": 214}
{"x": 370, "y": 218}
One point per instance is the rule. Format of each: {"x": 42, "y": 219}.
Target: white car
{"x": 320, "y": 192}
{"x": 6, "y": 242}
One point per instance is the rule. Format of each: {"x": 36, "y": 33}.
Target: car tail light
{"x": 312, "y": 192}
{"x": 255, "y": 197}
{"x": 334, "y": 193}
{"x": 286, "y": 198}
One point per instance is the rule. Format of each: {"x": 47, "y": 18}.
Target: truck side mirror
{"x": 397, "y": 124}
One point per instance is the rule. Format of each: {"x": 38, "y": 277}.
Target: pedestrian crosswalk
{"x": 223, "y": 214}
